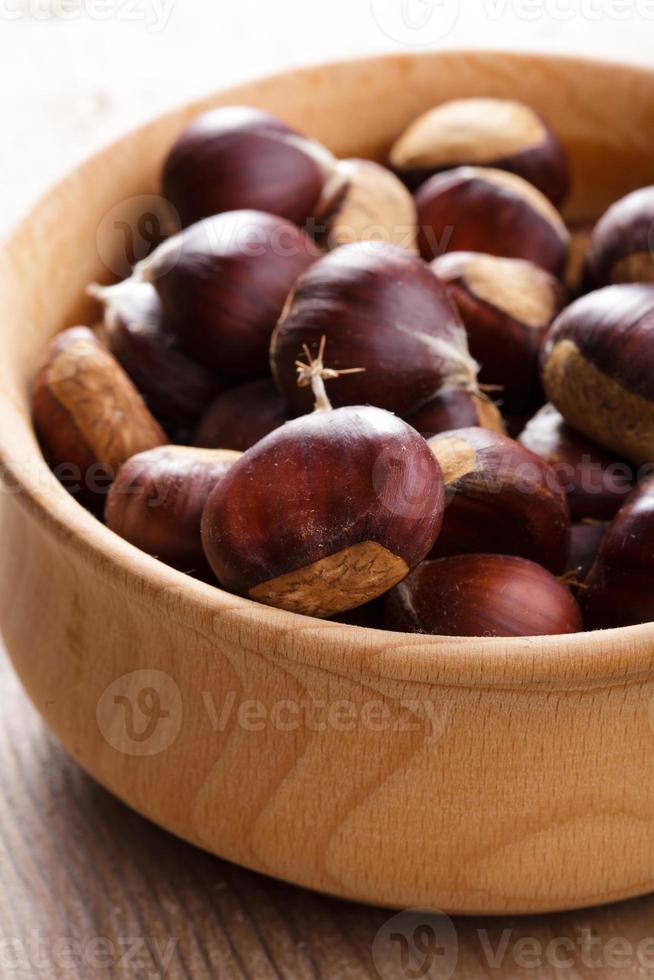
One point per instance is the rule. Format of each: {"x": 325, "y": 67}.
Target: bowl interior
{"x": 603, "y": 113}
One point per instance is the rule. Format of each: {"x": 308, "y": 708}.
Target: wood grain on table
{"x": 89, "y": 889}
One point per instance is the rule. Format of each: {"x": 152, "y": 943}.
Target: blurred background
{"x": 75, "y": 73}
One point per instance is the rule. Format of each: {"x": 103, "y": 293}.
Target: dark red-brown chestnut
{"x": 223, "y": 283}
{"x": 619, "y": 589}
{"x": 622, "y": 243}
{"x": 506, "y": 306}
{"x": 88, "y": 415}
{"x": 456, "y": 408}
{"x": 157, "y": 498}
{"x": 176, "y": 389}
{"x": 597, "y": 369}
{"x": 585, "y": 540}
{"x": 479, "y": 209}
{"x": 596, "y": 484}
{"x": 501, "y": 498}
{"x": 367, "y": 203}
{"x": 498, "y": 133}
{"x": 482, "y": 595}
{"x": 380, "y": 309}
{"x": 235, "y": 158}
{"x": 326, "y": 513}
{"x": 241, "y": 416}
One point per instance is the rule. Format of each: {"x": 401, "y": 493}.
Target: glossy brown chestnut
{"x": 176, "y": 389}
{"x": 506, "y": 306}
{"x": 382, "y": 310}
{"x": 501, "y": 498}
{"x": 223, "y": 283}
{"x": 326, "y": 513}
{"x": 498, "y": 133}
{"x": 88, "y": 415}
{"x": 482, "y": 595}
{"x": 596, "y": 484}
{"x": 619, "y": 589}
{"x": 456, "y": 408}
{"x": 241, "y": 416}
{"x": 585, "y": 540}
{"x": 235, "y": 157}
{"x": 367, "y": 203}
{"x": 477, "y": 209}
{"x": 597, "y": 369}
{"x": 157, "y": 498}
{"x": 622, "y": 243}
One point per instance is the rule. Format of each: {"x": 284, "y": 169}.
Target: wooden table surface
{"x": 87, "y": 888}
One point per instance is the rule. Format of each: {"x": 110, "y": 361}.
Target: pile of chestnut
{"x": 405, "y": 396}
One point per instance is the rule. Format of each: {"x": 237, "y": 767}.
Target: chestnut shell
{"x": 379, "y": 309}
{"x": 482, "y": 595}
{"x": 241, "y": 416}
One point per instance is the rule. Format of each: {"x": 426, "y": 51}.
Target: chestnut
{"x": 223, "y": 283}
{"x": 585, "y": 540}
{"x": 619, "y": 589}
{"x": 235, "y": 158}
{"x": 477, "y": 209}
{"x": 622, "y": 241}
{"x": 596, "y": 484}
{"x": 456, "y": 408}
{"x": 176, "y": 388}
{"x": 500, "y": 133}
{"x": 327, "y": 512}
{"x": 367, "y": 203}
{"x": 241, "y": 416}
{"x": 482, "y": 595}
{"x": 157, "y": 498}
{"x": 501, "y": 498}
{"x": 506, "y": 306}
{"x": 88, "y": 415}
{"x": 384, "y": 310}
{"x": 597, "y": 369}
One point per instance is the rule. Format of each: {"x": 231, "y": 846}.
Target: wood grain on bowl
{"x": 466, "y": 774}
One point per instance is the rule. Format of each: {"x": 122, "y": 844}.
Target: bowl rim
{"x": 616, "y": 657}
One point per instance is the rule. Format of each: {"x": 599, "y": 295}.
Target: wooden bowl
{"x": 483, "y": 775}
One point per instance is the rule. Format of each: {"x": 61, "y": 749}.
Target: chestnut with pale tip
{"x": 499, "y": 133}
{"x": 241, "y": 416}
{"x": 223, "y": 283}
{"x": 88, "y": 415}
{"x": 456, "y": 408}
{"x": 479, "y": 209}
{"x": 507, "y": 306}
{"x": 368, "y": 203}
{"x": 236, "y": 157}
{"x": 482, "y": 595}
{"x": 380, "y": 308}
{"x": 619, "y": 589}
{"x": 327, "y": 512}
{"x": 157, "y": 498}
{"x": 597, "y": 369}
{"x": 622, "y": 242}
{"x": 176, "y": 388}
{"x": 501, "y": 498}
{"x": 596, "y": 484}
